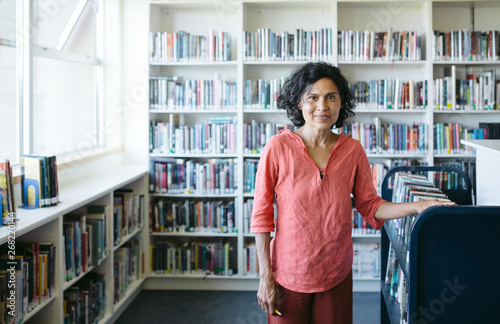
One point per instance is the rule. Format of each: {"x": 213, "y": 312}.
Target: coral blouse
{"x": 312, "y": 248}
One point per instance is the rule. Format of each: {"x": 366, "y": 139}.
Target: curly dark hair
{"x": 301, "y": 81}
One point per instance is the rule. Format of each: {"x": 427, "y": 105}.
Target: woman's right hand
{"x": 267, "y": 294}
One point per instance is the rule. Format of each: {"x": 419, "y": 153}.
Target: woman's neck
{"x": 315, "y": 137}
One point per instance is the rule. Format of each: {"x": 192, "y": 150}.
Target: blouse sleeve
{"x": 365, "y": 195}
{"x": 265, "y": 180}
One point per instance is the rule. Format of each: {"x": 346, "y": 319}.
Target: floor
{"x": 238, "y": 307}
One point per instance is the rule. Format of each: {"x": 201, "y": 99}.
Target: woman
{"x": 305, "y": 273}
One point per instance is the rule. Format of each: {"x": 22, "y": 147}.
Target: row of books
{"x": 128, "y": 267}
{"x": 256, "y": 134}
{"x": 366, "y": 260}
{"x": 181, "y": 46}
{"x": 476, "y": 91}
{"x": 250, "y": 261}
{"x": 447, "y": 138}
{"x": 30, "y": 283}
{"x": 85, "y": 301}
{"x": 7, "y": 201}
{"x": 492, "y": 130}
{"x": 175, "y": 93}
{"x": 397, "y": 284}
{"x": 39, "y": 185}
{"x": 262, "y": 94}
{"x": 378, "y": 138}
{"x": 444, "y": 180}
{"x": 265, "y": 45}
{"x": 249, "y": 173}
{"x": 465, "y": 45}
{"x": 178, "y": 176}
{"x": 85, "y": 240}
{"x": 129, "y": 213}
{"x": 390, "y": 94}
{"x": 247, "y": 214}
{"x": 190, "y": 258}
{"x": 368, "y": 45}
{"x": 360, "y": 225}
{"x": 215, "y": 136}
{"x": 192, "y": 216}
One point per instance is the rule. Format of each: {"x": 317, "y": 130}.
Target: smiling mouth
{"x": 322, "y": 117}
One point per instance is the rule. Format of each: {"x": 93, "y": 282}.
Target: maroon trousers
{"x": 333, "y": 306}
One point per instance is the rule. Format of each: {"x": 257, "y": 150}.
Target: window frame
{"x": 26, "y": 50}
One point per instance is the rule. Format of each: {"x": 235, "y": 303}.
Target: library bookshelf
{"x": 239, "y": 18}
{"x": 46, "y": 225}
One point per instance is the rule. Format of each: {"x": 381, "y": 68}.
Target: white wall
{"x": 135, "y": 79}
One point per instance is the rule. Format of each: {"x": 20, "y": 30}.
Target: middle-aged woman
{"x": 306, "y": 271}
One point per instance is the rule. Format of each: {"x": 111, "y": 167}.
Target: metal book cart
{"x": 451, "y": 261}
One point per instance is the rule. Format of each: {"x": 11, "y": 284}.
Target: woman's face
{"x": 321, "y": 104}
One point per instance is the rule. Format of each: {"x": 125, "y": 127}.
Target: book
{"x": 100, "y": 213}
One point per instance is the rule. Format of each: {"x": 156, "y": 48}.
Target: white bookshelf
{"x": 45, "y": 225}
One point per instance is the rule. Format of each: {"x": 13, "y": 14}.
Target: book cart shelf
{"x": 448, "y": 266}
{"x": 46, "y": 225}
{"x": 235, "y": 18}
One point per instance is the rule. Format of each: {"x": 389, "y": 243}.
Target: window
{"x": 58, "y": 68}
{"x": 9, "y": 123}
